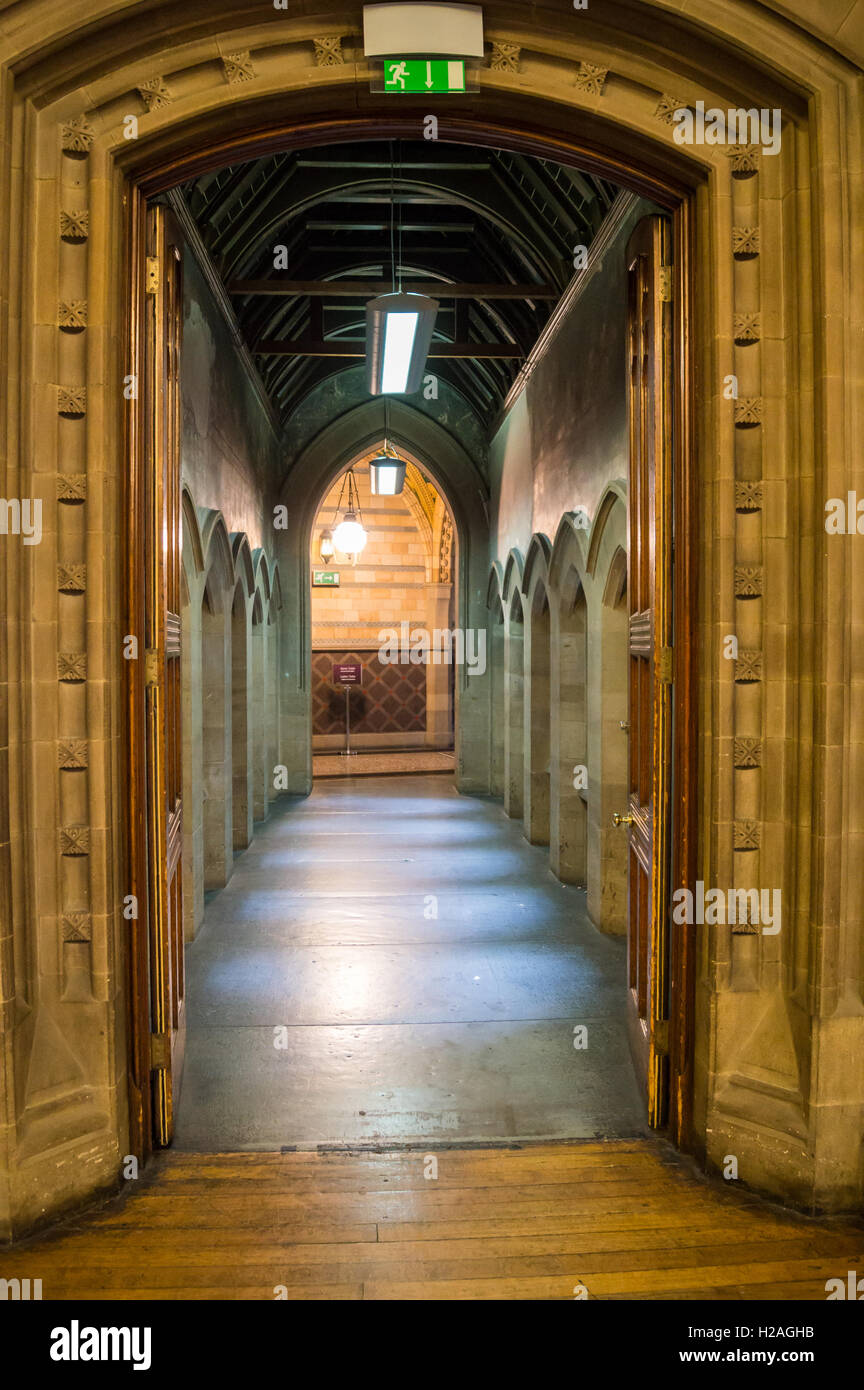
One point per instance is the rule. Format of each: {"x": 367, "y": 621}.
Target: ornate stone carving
{"x": 591, "y": 79}
{"x": 745, "y": 243}
{"x": 72, "y": 754}
{"x": 748, "y": 581}
{"x": 504, "y": 56}
{"x": 154, "y": 93}
{"x": 75, "y": 841}
{"x": 745, "y": 835}
{"x": 445, "y": 552}
{"x": 744, "y": 927}
{"x": 745, "y": 160}
{"x": 747, "y": 752}
{"x": 747, "y": 329}
{"x": 72, "y": 667}
{"x": 72, "y": 401}
{"x": 72, "y": 579}
{"x": 76, "y": 137}
{"x": 748, "y": 497}
{"x": 238, "y": 66}
{"x": 71, "y": 487}
{"x": 328, "y": 52}
{"x": 72, "y": 315}
{"x": 748, "y": 412}
{"x": 74, "y": 226}
{"x": 667, "y": 106}
{"x": 76, "y": 926}
{"x": 748, "y": 667}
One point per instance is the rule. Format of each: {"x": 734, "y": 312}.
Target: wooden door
{"x": 162, "y": 326}
{"x": 650, "y": 661}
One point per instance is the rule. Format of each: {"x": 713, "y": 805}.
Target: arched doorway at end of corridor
{"x": 666, "y": 1015}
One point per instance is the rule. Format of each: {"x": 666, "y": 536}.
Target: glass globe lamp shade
{"x": 349, "y": 536}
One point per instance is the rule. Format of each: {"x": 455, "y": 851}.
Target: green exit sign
{"x": 325, "y": 579}
{"x": 424, "y": 75}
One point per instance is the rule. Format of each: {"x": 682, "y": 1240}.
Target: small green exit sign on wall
{"x": 325, "y": 579}
{"x": 424, "y": 75}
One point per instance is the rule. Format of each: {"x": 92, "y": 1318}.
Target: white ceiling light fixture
{"x": 399, "y": 329}
{"x": 386, "y": 475}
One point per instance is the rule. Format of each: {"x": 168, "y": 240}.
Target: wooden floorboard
{"x": 625, "y": 1220}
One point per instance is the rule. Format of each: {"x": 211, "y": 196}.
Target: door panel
{"x": 163, "y": 318}
{"x": 650, "y": 603}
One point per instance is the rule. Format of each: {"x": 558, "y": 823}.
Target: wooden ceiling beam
{"x": 355, "y": 347}
{"x": 369, "y": 289}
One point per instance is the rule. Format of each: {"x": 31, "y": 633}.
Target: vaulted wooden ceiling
{"x": 446, "y": 213}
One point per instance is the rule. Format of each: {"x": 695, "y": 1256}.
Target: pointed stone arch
{"x": 514, "y": 568}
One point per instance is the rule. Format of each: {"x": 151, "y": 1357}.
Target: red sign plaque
{"x": 347, "y": 674}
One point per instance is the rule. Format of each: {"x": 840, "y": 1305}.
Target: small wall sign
{"x": 325, "y": 579}
{"x": 345, "y": 674}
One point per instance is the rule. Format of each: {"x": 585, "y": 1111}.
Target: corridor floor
{"x": 390, "y": 962}
{"x": 622, "y": 1219}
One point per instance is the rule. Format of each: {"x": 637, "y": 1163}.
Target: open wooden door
{"x": 651, "y": 657}
{"x": 163, "y": 308}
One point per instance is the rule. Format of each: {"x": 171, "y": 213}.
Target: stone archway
{"x": 219, "y": 86}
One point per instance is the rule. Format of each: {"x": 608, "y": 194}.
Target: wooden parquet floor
{"x": 625, "y": 1219}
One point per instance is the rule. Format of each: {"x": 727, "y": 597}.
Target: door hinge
{"x": 660, "y": 1036}
{"x": 151, "y": 667}
{"x": 151, "y": 282}
{"x": 663, "y": 665}
{"x": 160, "y": 1051}
{"x": 666, "y": 284}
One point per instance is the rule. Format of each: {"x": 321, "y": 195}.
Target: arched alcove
{"x": 497, "y": 642}
{"x": 570, "y": 784}
{"x": 241, "y": 724}
{"x": 514, "y": 710}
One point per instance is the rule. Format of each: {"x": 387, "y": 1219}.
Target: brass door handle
{"x": 618, "y": 819}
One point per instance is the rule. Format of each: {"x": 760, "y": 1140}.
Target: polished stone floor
{"x": 393, "y": 962}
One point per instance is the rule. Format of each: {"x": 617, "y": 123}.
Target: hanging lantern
{"x": 350, "y": 535}
{"x": 386, "y": 476}
{"x": 325, "y": 545}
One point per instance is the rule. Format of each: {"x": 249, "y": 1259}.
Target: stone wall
{"x": 558, "y": 466}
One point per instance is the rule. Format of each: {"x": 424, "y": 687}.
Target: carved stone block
{"x": 71, "y": 487}
{"x": 72, "y": 401}
{"x": 72, "y": 754}
{"x": 748, "y": 412}
{"x": 154, "y": 93}
{"x": 72, "y": 579}
{"x": 745, "y": 835}
{"x": 748, "y": 667}
{"x": 238, "y": 66}
{"x": 667, "y": 106}
{"x": 591, "y": 79}
{"x": 748, "y": 497}
{"x": 745, "y": 243}
{"x": 76, "y": 926}
{"x": 72, "y": 667}
{"x": 72, "y": 315}
{"x": 745, "y": 160}
{"x": 504, "y": 56}
{"x": 74, "y": 226}
{"x": 747, "y": 329}
{"x": 328, "y": 52}
{"x": 75, "y": 841}
{"x": 748, "y": 581}
{"x": 76, "y": 137}
{"x": 747, "y": 752}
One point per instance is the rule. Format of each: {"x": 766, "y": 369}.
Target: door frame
{"x": 156, "y": 173}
